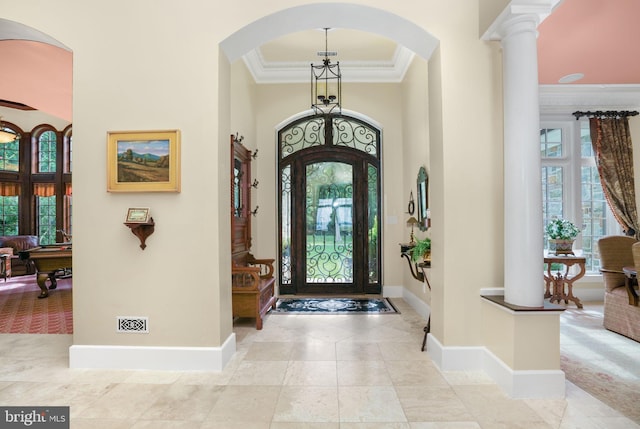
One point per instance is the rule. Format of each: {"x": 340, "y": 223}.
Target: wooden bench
{"x": 252, "y": 286}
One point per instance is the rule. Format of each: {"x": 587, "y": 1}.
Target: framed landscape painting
{"x": 143, "y": 161}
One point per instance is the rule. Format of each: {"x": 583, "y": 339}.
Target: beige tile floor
{"x": 299, "y": 372}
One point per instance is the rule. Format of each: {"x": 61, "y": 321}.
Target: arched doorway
{"x": 36, "y": 175}
{"x": 329, "y": 210}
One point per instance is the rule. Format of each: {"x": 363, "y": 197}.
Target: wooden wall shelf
{"x": 142, "y": 230}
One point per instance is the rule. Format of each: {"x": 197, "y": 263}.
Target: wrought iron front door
{"x": 329, "y": 221}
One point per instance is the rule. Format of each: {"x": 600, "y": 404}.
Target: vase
{"x": 561, "y": 247}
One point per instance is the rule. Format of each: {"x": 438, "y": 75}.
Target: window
{"x": 9, "y": 213}
{"x": 571, "y": 186}
{"x": 10, "y": 154}
{"x": 46, "y": 154}
{"x": 35, "y": 183}
{"x": 46, "y": 219}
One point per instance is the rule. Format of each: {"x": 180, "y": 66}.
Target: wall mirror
{"x": 423, "y": 200}
{"x": 237, "y": 188}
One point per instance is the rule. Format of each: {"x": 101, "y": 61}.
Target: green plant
{"x": 421, "y": 247}
{"x": 561, "y": 229}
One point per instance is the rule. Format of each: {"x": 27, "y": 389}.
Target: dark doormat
{"x": 334, "y": 306}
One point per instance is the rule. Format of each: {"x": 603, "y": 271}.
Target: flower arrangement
{"x": 561, "y": 229}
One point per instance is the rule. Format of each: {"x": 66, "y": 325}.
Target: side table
{"x": 419, "y": 274}
{"x": 5, "y": 262}
{"x": 560, "y": 279}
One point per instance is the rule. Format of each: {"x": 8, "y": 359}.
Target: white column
{"x": 523, "y": 247}
{"x": 515, "y": 28}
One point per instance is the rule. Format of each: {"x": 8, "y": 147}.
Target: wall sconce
{"x": 412, "y": 221}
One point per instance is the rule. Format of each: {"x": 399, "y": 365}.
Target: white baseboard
{"x": 516, "y": 384}
{"x": 153, "y": 358}
{"x": 421, "y": 307}
{"x": 589, "y": 295}
{"x": 392, "y": 291}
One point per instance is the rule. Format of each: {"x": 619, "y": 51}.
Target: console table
{"x": 419, "y": 274}
{"x": 560, "y": 279}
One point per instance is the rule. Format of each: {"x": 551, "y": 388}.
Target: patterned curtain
{"x": 613, "y": 150}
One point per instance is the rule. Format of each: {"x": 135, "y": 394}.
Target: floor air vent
{"x": 138, "y": 325}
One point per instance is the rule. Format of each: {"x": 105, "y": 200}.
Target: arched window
{"x": 35, "y": 183}
{"x": 10, "y": 181}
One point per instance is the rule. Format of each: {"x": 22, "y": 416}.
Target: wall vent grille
{"x": 128, "y": 324}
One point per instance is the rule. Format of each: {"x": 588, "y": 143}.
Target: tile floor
{"x": 313, "y": 372}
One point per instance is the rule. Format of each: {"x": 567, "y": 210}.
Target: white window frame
{"x": 572, "y": 161}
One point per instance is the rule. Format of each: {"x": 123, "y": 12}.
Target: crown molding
{"x": 562, "y": 98}
{"x": 392, "y": 71}
{"x": 538, "y": 10}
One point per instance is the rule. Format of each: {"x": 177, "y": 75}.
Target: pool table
{"x": 48, "y": 260}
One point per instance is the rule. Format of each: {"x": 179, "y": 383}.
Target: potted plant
{"x": 422, "y": 249}
{"x": 561, "y": 233}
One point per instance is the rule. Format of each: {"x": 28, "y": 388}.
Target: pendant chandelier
{"x": 6, "y": 135}
{"x": 326, "y": 83}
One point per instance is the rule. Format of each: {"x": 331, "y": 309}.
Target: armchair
{"x": 616, "y": 252}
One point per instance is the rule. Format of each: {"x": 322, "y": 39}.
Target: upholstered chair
{"x": 616, "y": 252}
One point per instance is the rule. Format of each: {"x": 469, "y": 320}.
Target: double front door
{"x": 330, "y": 240}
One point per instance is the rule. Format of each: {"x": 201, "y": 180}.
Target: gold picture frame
{"x": 143, "y": 161}
{"x": 137, "y": 215}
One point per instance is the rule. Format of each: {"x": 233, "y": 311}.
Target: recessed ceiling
{"x": 351, "y": 45}
{"x": 363, "y": 57}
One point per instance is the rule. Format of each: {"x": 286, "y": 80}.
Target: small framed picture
{"x": 137, "y": 215}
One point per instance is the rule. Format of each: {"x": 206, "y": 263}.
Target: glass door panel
{"x": 329, "y": 217}
{"x": 373, "y": 244}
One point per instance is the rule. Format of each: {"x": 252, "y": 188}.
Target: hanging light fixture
{"x": 326, "y": 82}
{"x": 6, "y": 136}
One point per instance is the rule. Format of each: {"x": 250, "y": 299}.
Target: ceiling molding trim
{"x": 392, "y": 71}
{"x": 540, "y": 9}
{"x": 562, "y": 98}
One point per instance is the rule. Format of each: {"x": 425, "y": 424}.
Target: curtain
{"x": 44, "y": 189}
{"x": 613, "y": 150}
{"x": 8, "y": 189}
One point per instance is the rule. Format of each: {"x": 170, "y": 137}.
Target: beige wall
{"x": 415, "y": 123}
{"x": 467, "y": 209}
{"x": 136, "y": 70}
{"x": 517, "y": 339}
{"x": 278, "y": 103}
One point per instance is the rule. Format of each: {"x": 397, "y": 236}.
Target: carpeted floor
{"x": 604, "y": 364}
{"x": 21, "y": 312}
{"x": 334, "y": 306}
